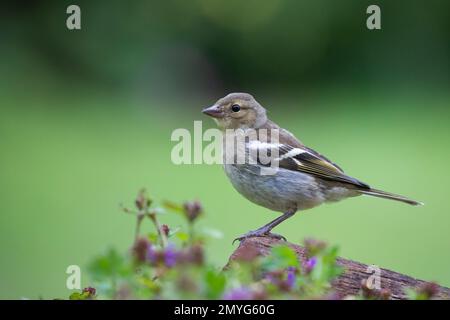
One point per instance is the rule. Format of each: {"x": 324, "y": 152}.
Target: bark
{"x": 349, "y": 283}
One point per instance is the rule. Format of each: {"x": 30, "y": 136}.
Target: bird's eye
{"x": 235, "y": 108}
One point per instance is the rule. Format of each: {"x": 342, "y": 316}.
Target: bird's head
{"x": 237, "y": 111}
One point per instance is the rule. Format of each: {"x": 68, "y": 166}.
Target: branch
{"x": 348, "y": 283}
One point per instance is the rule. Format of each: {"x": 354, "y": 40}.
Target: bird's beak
{"x": 213, "y": 111}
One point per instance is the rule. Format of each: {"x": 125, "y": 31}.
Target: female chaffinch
{"x": 303, "y": 178}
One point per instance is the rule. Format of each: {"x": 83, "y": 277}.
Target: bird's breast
{"x": 281, "y": 191}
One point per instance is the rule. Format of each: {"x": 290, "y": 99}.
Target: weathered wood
{"x": 349, "y": 283}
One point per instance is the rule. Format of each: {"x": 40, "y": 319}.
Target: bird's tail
{"x": 392, "y": 196}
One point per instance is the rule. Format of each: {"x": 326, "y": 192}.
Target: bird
{"x": 303, "y": 178}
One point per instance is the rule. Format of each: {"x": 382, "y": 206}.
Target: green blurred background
{"x": 86, "y": 118}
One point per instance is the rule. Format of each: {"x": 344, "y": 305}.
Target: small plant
{"x": 171, "y": 263}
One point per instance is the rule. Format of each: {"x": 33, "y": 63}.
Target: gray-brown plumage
{"x": 304, "y": 178}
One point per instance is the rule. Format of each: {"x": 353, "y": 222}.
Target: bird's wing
{"x": 303, "y": 159}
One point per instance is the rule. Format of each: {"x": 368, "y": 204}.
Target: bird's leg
{"x": 264, "y": 231}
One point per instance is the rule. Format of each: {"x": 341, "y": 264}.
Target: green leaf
{"x": 174, "y": 231}
{"x": 281, "y": 257}
{"x": 173, "y": 207}
{"x": 215, "y": 283}
{"x": 182, "y": 236}
{"x": 109, "y": 265}
{"x": 326, "y": 268}
{"x": 76, "y": 296}
{"x": 412, "y": 294}
{"x": 79, "y": 296}
{"x": 153, "y": 237}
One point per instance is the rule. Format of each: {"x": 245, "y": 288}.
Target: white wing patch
{"x": 292, "y": 153}
{"x": 299, "y": 159}
{"x": 255, "y": 144}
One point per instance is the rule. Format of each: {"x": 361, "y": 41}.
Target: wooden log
{"x": 348, "y": 283}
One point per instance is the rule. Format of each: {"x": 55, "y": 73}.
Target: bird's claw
{"x": 257, "y": 233}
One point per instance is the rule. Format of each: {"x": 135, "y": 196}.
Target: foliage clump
{"x": 171, "y": 263}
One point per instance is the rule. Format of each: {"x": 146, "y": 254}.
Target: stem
{"x": 191, "y": 232}
{"x": 161, "y": 235}
{"x": 137, "y": 230}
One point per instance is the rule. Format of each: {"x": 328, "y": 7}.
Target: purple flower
{"x": 170, "y": 256}
{"x": 194, "y": 255}
{"x": 140, "y": 249}
{"x": 310, "y": 264}
{"x": 152, "y": 255}
{"x": 283, "y": 279}
{"x": 290, "y": 279}
{"x": 274, "y": 277}
{"x": 241, "y": 293}
{"x": 167, "y": 257}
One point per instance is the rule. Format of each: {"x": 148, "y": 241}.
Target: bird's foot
{"x": 259, "y": 233}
